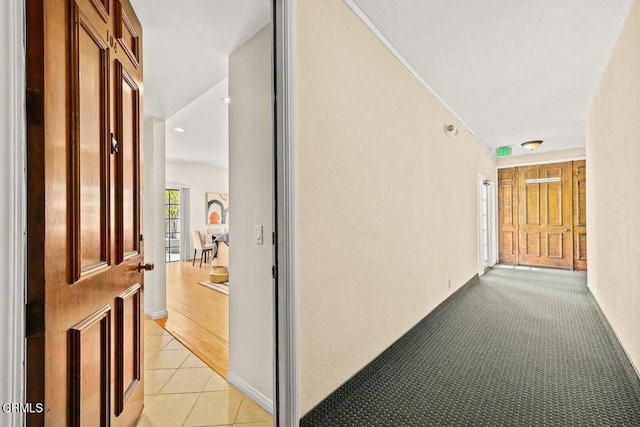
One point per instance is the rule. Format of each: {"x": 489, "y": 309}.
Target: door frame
{"x": 545, "y": 162}
{"x": 13, "y": 228}
{"x": 13, "y": 183}
{"x": 285, "y": 214}
{"x": 492, "y": 224}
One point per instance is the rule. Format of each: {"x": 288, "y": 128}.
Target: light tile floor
{"x": 181, "y": 390}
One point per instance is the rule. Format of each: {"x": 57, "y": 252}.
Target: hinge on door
{"x": 273, "y": 271}
{"x": 35, "y": 106}
{"x": 273, "y": 237}
{"x": 34, "y": 320}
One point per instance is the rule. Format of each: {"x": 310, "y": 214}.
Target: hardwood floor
{"x": 198, "y": 316}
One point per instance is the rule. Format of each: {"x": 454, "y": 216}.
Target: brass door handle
{"x": 567, "y": 229}
{"x": 146, "y": 267}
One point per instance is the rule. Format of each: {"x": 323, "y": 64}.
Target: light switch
{"x": 258, "y": 234}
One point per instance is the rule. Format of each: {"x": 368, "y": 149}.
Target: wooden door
{"x": 508, "y": 215}
{"x": 580, "y": 215}
{"x": 545, "y": 215}
{"x": 85, "y": 289}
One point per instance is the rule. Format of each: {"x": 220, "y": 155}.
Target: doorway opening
{"x": 172, "y": 235}
{"x": 209, "y": 110}
{"x": 123, "y": 242}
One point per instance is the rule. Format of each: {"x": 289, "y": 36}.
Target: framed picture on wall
{"x": 217, "y": 208}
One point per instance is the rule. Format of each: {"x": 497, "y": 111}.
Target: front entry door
{"x": 85, "y": 250}
{"x": 545, "y": 215}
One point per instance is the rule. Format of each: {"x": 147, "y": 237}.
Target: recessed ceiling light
{"x": 179, "y": 129}
{"x": 226, "y": 100}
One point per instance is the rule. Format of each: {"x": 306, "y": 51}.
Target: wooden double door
{"x": 84, "y": 206}
{"x": 542, "y": 215}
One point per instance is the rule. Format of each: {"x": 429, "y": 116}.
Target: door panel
{"x": 554, "y": 245}
{"x": 580, "y": 214}
{"x": 102, "y": 6}
{"x": 532, "y": 244}
{"x": 128, "y": 345}
{"x": 126, "y": 33}
{"x": 127, "y": 187}
{"x": 89, "y": 391}
{"x": 545, "y": 218}
{"x": 89, "y": 162}
{"x": 84, "y": 341}
{"x": 508, "y": 216}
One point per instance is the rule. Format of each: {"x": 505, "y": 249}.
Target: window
{"x": 172, "y": 224}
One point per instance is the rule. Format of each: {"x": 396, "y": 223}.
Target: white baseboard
{"x": 252, "y": 393}
{"x": 156, "y": 314}
{"x": 614, "y": 331}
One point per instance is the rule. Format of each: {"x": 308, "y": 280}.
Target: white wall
{"x": 613, "y": 179}
{"x": 200, "y": 179}
{"x": 155, "y": 297}
{"x": 251, "y": 314}
{"x": 12, "y": 227}
{"x": 386, "y": 201}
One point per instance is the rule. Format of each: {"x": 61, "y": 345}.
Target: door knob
{"x": 147, "y": 267}
{"x": 567, "y": 229}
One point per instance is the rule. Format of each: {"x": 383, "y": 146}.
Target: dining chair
{"x": 199, "y": 244}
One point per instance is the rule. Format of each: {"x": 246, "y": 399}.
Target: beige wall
{"x": 251, "y": 301}
{"x": 544, "y": 157}
{"x": 387, "y": 202}
{"x": 613, "y": 179}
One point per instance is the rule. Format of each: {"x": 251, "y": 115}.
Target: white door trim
{"x": 479, "y": 213}
{"x": 13, "y": 226}
{"x": 491, "y": 223}
{"x": 286, "y": 384}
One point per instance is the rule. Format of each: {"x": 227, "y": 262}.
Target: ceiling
{"x": 186, "y": 46}
{"x": 513, "y": 71}
{"x": 186, "y": 49}
{"x": 205, "y": 122}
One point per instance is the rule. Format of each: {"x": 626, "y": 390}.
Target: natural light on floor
{"x": 181, "y": 390}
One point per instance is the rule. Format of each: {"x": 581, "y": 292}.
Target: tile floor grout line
{"x": 191, "y": 410}
{"x": 185, "y": 392}
{"x": 238, "y": 411}
{"x": 166, "y": 382}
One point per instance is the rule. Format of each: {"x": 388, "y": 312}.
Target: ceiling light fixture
{"x": 179, "y": 129}
{"x": 531, "y": 145}
{"x": 226, "y": 100}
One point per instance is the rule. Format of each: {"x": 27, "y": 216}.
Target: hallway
{"x": 521, "y": 346}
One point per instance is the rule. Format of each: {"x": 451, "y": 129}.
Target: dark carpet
{"x": 515, "y": 348}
